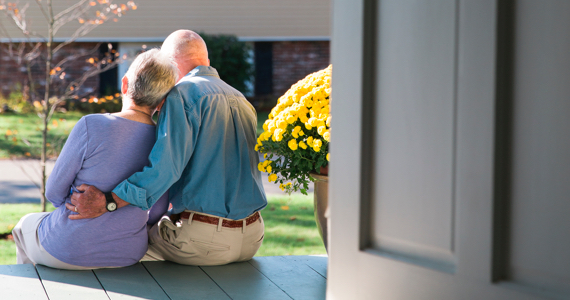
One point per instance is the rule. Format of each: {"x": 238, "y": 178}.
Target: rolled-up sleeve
{"x": 176, "y": 136}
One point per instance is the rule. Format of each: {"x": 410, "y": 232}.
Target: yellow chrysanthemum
{"x": 328, "y": 156}
{"x": 292, "y": 144}
{"x": 327, "y": 136}
{"x": 313, "y": 122}
{"x": 278, "y": 134}
{"x": 317, "y": 142}
{"x": 305, "y": 106}
{"x": 310, "y": 141}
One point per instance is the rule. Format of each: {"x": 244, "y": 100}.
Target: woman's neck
{"x": 136, "y": 113}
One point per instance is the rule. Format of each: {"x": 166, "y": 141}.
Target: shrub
{"x": 231, "y": 58}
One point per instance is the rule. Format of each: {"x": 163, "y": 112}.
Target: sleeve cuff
{"x": 134, "y": 195}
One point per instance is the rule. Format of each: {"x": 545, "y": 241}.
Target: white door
{"x": 450, "y": 172}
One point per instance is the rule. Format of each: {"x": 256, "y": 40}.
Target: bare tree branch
{"x": 73, "y": 57}
{"x": 40, "y": 5}
{"x": 69, "y": 9}
{"x": 75, "y": 14}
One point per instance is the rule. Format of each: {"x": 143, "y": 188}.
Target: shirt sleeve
{"x": 176, "y": 137}
{"x": 68, "y": 164}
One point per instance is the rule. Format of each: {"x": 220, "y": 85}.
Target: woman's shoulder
{"x": 103, "y": 117}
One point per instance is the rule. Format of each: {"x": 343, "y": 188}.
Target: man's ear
{"x": 124, "y": 85}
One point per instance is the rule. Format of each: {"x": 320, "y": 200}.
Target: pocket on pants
{"x": 205, "y": 253}
{"x": 208, "y": 246}
{"x": 168, "y": 231}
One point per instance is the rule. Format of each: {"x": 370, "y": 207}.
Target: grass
{"x": 10, "y": 214}
{"x": 20, "y": 134}
{"x": 290, "y": 227}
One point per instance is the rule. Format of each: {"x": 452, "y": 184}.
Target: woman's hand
{"x": 90, "y": 203}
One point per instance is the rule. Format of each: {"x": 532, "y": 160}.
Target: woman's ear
{"x": 124, "y": 85}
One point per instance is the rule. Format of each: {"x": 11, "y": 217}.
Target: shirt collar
{"x": 203, "y": 71}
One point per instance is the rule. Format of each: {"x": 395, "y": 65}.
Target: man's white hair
{"x": 150, "y": 78}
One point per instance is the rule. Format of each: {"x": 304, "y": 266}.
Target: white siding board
{"x": 249, "y": 18}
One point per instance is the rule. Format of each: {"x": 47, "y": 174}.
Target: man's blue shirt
{"x": 204, "y": 152}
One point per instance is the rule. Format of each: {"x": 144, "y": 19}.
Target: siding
{"x": 254, "y": 20}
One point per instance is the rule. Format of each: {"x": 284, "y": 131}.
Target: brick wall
{"x": 13, "y": 74}
{"x": 292, "y": 61}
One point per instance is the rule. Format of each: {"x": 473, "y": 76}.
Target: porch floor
{"x": 271, "y": 277}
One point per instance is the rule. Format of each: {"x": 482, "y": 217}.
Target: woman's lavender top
{"x": 102, "y": 150}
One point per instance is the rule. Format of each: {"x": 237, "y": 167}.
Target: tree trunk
{"x": 46, "y": 105}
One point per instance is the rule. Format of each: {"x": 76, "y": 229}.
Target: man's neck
{"x": 184, "y": 67}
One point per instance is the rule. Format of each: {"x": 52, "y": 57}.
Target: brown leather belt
{"x": 225, "y": 223}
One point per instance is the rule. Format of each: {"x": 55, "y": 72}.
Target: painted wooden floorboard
{"x": 67, "y": 285}
{"x": 20, "y": 282}
{"x": 133, "y": 282}
{"x": 184, "y": 282}
{"x": 243, "y": 281}
{"x": 316, "y": 262}
{"x": 297, "y": 277}
{"x": 294, "y": 277}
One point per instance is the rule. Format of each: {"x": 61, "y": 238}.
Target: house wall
{"x": 14, "y": 75}
{"x": 153, "y": 20}
{"x": 292, "y": 61}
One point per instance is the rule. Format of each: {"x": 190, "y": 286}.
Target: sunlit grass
{"x": 290, "y": 227}
{"x": 20, "y": 134}
{"x": 10, "y": 214}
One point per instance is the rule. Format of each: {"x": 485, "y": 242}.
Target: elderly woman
{"x": 102, "y": 150}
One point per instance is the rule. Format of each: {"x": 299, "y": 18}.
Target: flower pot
{"x": 321, "y": 202}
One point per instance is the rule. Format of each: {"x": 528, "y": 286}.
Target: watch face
{"x": 111, "y": 206}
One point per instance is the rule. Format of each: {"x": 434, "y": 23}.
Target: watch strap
{"x": 109, "y": 199}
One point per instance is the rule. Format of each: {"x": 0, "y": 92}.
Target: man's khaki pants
{"x": 203, "y": 244}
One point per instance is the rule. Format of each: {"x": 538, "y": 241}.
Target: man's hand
{"x": 88, "y": 204}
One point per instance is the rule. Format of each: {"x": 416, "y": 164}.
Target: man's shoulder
{"x": 199, "y": 86}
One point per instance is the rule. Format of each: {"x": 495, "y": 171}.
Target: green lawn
{"x": 290, "y": 227}
{"x": 10, "y": 214}
{"x": 20, "y": 134}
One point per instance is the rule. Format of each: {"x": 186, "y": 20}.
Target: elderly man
{"x": 204, "y": 155}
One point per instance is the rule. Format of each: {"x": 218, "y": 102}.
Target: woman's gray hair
{"x": 150, "y": 77}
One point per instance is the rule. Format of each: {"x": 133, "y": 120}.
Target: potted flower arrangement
{"x": 295, "y": 141}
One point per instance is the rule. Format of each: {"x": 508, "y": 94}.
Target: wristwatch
{"x": 111, "y": 203}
